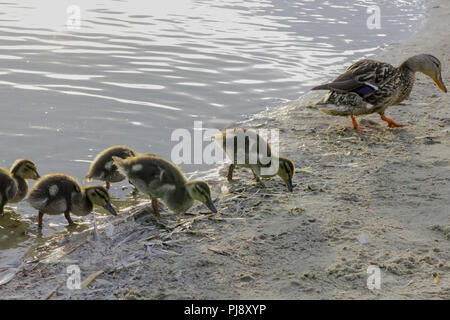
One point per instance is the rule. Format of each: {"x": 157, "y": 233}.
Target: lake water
{"x": 136, "y": 70}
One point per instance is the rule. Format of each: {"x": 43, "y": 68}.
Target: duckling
{"x": 103, "y": 168}
{"x": 162, "y": 179}
{"x": 13, "y": 187}
{"x": 59, "y": 193}
{"x": 261, "y": 162}
{"x": 370, "y": 86}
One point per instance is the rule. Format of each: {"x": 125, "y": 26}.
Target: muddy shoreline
{"x": 361, "y": 198}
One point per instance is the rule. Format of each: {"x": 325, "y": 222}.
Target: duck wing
{"x": 363, "y": 77}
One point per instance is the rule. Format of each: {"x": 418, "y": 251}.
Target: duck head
{"x": 286, "y": 171}
{"x": 99, "y": 196}
{"x": 428, "y": 65}
{"x": 199, "y": 190}
{"x": 25, "y": 169}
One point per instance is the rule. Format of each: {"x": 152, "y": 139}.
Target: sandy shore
{"x": 361, "y": 198}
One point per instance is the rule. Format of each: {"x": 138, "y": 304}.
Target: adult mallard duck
{"x": 102, "y": 167}
{"x": 256, "y": 155}
{"x": 59, "y": 193}
{"x": 13, "y": 187}
{"x": 370, "y": 86}
{"x": 162, "y": 179}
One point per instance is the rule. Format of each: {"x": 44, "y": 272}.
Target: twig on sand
{"x": 40, "y": 261}
{"x": 51, "y": 293}
{"x": 221, "y": 252}
{"x": 187, "y": 223}
{"x": 91, "y": 278}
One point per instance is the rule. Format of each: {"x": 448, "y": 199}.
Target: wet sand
{"x": 361, "y": 198}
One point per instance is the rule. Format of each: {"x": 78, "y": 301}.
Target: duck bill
{"x": 110, "y": 208}
{"x": 211, "y": 206}
{"x": 36, "y": 176}
{"x": 440, "y": 83}
{"x": 289, "y": 184}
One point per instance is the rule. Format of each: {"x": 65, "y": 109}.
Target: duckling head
{"x": 286, "y": 171}
{"x": 428, "y": 65}
{"x": 199, "y": 190}
{"x": 122, "y": 164}
{"x": 98, "y": 195}
{"x": 25, "y": 169}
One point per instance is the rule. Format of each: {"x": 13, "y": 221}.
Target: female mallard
{"x": 59, "y": 193}
{"x": 369, "y": 86}
{"x": 13, "y": 187}
{"x": 103, "y": 168}
{"x": 160, "y": 178}
{"x": 256, "y": 155}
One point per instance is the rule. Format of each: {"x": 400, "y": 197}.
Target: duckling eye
{"x": 201, "y": 192}
{"x": 436, "y": 64}
{"x": 100, "y": 195}
{"x": 29, "y": 169}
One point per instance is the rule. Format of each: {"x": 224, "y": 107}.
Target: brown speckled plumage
{"x": 392, "y": 85}
{"x": 370, "y": 86}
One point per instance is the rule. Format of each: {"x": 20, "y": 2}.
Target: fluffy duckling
{"x": 59, "y": 193}
{"x": 163, "y": 180}
{"x": 13, "y": 187}
{"x": 257, "y": 160}
{"x": 370, "y": 86}
{"x": 103, "y": 168}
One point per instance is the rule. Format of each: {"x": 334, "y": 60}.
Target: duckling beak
{"x": 440, "y": 83}
{"x": 110, "y": 208}
{"x": 289, "y": 184}
{"x": 211, "y": 206}
{"x": 37, "y": 177}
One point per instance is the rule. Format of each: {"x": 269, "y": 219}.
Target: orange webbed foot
{"x": 391, "y": 123}
{"x": 356, "y": 126}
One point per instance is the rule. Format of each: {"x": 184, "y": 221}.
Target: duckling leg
{"x": 391, "y": 123}
{"x": 355, "y": 124}
{"x": 258, "y": 179}
{"x": 155, "y": 207}
{"x": 135, "y": 192}
{"x": 2, "y": 204}
{"x": 40, "y": 216}
{"x": 230, "y": 172}
{"x": 68, "y": 218}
